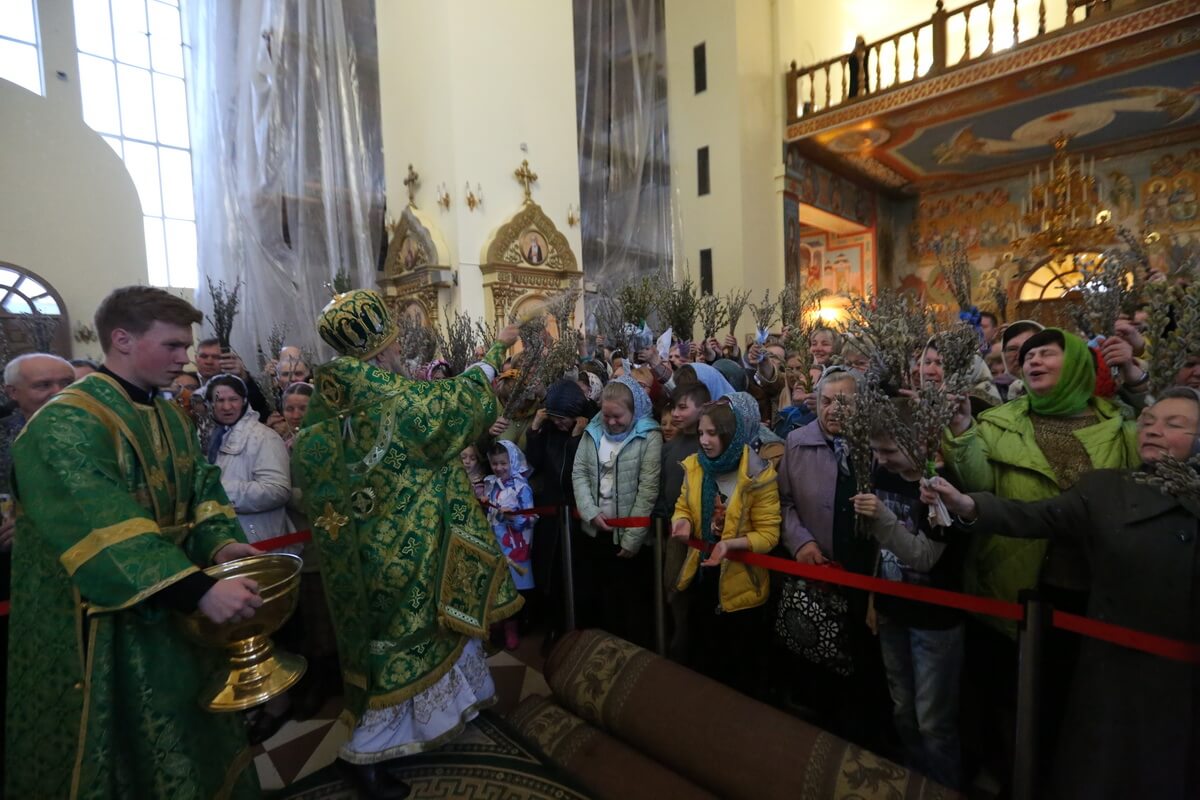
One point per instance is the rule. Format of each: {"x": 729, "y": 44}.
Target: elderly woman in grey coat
{"x": 1131, "y": 725}
{"x": 816, "y": 484}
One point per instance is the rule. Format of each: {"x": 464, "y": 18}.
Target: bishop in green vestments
{"x": 412, "y": 571}
{"x": 118, "y": 512}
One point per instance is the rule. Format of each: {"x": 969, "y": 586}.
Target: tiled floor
{"x": 301, "y": 748}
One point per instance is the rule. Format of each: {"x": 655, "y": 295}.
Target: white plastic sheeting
{"x": 624, "y": 168}
{"x": 287, "y": 156}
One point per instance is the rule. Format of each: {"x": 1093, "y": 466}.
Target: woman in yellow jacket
{"x": 729, "y": 499}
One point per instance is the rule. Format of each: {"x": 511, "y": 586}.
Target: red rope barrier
{"x": 1173, "y": 649}
{"x": 830, "y": 574}
{"x": 283, "y": 541}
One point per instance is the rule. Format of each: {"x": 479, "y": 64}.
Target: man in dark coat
{"x": 1131, "y": 724}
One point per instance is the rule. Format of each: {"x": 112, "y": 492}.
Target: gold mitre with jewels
{"x": 357, "y": 323}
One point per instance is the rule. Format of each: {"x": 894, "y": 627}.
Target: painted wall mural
{"x": 816, "y": 186}
{"x": 838, "y": 264}
{"x": 1155, "y": 190}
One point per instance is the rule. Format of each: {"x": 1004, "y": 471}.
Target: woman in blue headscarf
{"x": 615, "y": 476}
{"x": 712, "y": 379}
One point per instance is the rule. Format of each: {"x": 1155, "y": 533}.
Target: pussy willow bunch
{"x": 1172, "y": 477}
{"x": 562, "y": 308}
{"x": 958, "y": 346}
{"x": 799, "y": 310}
{"x": 1135, "y": 245}
{"x": 225, "y": 303}
{"x": 932, "y": 409}
{"x": 1174, "y": 325}
{"x": 857, "y": 416}
{"x": 39, "y": 331}
{"x": 766, "y": 312}
{"x": 713, "y": 314}
{"x": 610, "y": 323}
{"x": 276, "y": 339}
{"x": 527, "y": 384}
{"x": 735, "y": 304}
{"x": 637, "y": 299}
{"x": 956, "y": 269}
{"x": 789, "y": 305}
{"x": 458, "y": 339}
{"x": 418, "y": 343}
{"x": 991, "y": 285}
{"x": 562, "y": 355}
{"x": 677, "y": 307}
{"x": 892, "y": 328}
{"x": 1106, "y": 290}
{"x": 485, "y": 332}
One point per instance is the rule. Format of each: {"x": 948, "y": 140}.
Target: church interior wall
{"x": 738, "y": 118}
{"x": 69, "y": 212}
{"x": 1153, "y": 190}
{"x": 463, "y": 86}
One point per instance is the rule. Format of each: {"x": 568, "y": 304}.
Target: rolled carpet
{"x": 712, "y": 736}
{"x": 605, "y": 765}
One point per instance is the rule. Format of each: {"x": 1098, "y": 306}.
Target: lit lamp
{"x": 1063, "y": 214}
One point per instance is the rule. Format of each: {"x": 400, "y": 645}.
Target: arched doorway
{"x": 33, "y": 317}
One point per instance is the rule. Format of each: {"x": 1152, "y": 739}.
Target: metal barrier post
{"x": 660, "y": 611}
{"x": 568, "y": 569}
{"x": 1031, "y": 643}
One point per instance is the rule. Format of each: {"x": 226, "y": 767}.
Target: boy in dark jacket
{"x": 550, "y": 445}
{"x": 688, "y": 401}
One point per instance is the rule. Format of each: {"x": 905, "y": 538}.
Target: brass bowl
{"x": 257, "y": 670}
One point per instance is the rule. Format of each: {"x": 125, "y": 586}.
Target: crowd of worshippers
{"x": 736, "y": 449}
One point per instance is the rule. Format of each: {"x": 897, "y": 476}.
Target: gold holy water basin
{"x": 257, "y": 670}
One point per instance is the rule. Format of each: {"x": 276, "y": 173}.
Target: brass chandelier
{"x": 1063, "y": 214}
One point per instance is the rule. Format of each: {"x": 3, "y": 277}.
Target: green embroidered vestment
{"x": 115, "y": 504}
{"x": 410, "y": 566}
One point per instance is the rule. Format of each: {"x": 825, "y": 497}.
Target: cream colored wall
{"x": 739, "y": 118}
{"x": 69, "y": 211}
{"x": 462, "y": 86}
{"x": 817, "y": 30}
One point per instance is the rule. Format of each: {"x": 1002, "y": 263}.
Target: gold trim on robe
{"x": 100, "y": 539}
{"x": 211, "y": 508}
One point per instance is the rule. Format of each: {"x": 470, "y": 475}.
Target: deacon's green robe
{"x": 411, "y": 568}
{"x": 115, "y": 504}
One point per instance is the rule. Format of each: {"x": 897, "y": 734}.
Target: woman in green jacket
{"x": 1033, "y": 448}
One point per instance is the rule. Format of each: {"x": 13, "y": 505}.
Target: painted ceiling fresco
{"x": 1110, "y": 97}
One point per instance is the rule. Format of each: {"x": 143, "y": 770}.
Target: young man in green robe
{"x": 412, "y": 572}
{"x": 118, "y": 512}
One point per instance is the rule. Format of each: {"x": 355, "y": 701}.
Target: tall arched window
{"x": 32, "y": 315}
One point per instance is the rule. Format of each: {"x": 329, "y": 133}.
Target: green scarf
{"x": 1076, "y": 384}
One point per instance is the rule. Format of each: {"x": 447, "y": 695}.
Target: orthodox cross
{"x": 411, "y": 182}
{"x": 525, "y": 176}
{"x": 331, "y": 521}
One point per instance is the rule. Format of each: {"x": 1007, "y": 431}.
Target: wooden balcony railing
{"x": 941, "y": 43}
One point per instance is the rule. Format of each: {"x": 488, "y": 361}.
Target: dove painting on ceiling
{"x": 1148, "y": 99}
{"x": 1075, "y": 122}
